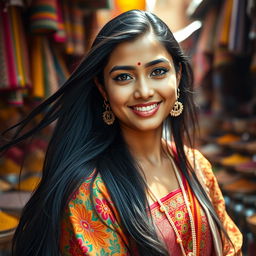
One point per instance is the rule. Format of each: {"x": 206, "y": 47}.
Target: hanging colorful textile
{"x": 60, "y": 65}
{"x": 43, "y": 16}
{"x": 73, "y": 20}
{"x": 45, "y": 72}
{"x": 224, "y": 23}
{"x": 13, "y": 48}
{"x": 238, "y": 35}
{"x": 60, "y": 35}
{"x": 37, "y": 67}
{"x": 4, "y": 79}
{"x": 15, "y": 98}
{"x": 50, "y": 75}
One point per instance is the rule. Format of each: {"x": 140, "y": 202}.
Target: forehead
{"x": 141, "y": 50}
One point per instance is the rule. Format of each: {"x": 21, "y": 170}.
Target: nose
{"x": 143, "y": 89}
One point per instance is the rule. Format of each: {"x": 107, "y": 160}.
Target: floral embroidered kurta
{"x": 93, "y": 228}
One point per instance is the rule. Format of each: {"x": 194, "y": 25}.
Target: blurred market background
{"x": 42, "y": 42}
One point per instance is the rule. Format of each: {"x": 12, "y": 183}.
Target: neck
{"x": 145, "y": 146}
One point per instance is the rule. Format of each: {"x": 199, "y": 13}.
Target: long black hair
{"x": 81, "y": 142}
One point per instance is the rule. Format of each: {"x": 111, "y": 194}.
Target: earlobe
{"x": 100, "y": 88}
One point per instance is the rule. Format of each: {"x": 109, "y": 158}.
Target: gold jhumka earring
{"x": 178, "y": 106}
{"x": 108, "y": 116}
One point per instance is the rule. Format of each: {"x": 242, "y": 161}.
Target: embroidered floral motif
{"x": 103, "y": 209}
{"x": 179, "y": 215}
{"x": 77, "y": 248}
{"x": 184, "y": 228}
{"x": 88, "y": 228}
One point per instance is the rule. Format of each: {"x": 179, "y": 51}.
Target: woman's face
{"x": 140, "y": 83}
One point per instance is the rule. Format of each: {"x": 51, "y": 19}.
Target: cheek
{"x": 118, "y": 96}
{"x": 167, "y": 89}
{"x": 116, "y": 101}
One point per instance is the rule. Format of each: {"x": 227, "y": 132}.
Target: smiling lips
{"x": 145, "y": 110}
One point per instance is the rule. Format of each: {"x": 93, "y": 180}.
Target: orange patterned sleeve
{"x": 91, "y": 229}
{"x": 219, "y": 206}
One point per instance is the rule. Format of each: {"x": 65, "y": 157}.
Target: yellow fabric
{"x": 228, "y": 138}
{"x": 37, "y": 67}
{"x": 7, "y": 221}
{"x": 4, "y": 186}
{"x": 14, "y": 14}
{"x": 225, "y": 26}
{"x": 29, "y": 184}
{"x": 8, "y": 166}
{"x": 235, "y": 159}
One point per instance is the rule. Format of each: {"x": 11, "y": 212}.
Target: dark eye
{"x": 123, "y": 77}
{"x": 159, "y": 72}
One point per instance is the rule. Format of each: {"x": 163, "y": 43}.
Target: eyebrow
{"x": 151, "y": 63}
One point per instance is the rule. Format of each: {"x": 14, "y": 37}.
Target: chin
{"x": 147, "y": 126}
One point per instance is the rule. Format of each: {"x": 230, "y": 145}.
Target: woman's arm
{"x": 218, "y": 202}
{"x": 92, "y": 229}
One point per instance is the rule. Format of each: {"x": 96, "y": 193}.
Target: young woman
{"x": 118, "y": 178}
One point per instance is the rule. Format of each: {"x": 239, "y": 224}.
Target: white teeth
{"x": 148, "y": 108}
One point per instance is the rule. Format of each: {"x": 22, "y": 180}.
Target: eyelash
{"x": 121, "y": 80}
{"x": 163, "y": 71}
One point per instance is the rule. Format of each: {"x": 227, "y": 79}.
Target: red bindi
{"x": 138, "y": 63}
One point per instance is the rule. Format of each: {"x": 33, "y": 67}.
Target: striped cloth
{"x": 48, "y": 68}
{"x": 4, "y": 79}
{"x": 15, "y": 97}
{"x": 60, "y": 35}
{"x": 50, "y": 74}
{"x": 14, "y": 64}
{"x": 73, "y": 20}
{"x": 60, "y": 65}
{"x": 43, "y": 16}
{"x": 37, "y": 67}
